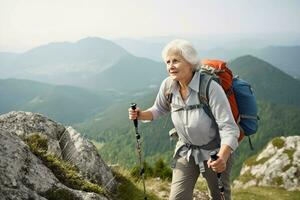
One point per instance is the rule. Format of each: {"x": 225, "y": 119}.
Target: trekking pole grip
{"x": 133, "y": 107}
{"x": 214, "y": 157}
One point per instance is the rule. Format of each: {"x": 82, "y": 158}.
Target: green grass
{"x": 252, "y": 160}
{"x": 278, "y": 142}
{"x": 278, "y": 181}
{"x": 258, "y": 193}
{"x": 129, "y": 189}
{"x": 67, "y": 173}
{"x": 287, "y": 167}
{"x": 246, "y": 177}
{"x": 60, "y": 193}
{"x": 290, "y": 153}
{"x": 201, "y": 184}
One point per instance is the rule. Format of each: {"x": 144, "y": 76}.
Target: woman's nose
{"x": 170, "y": 66}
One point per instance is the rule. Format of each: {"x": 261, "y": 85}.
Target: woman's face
{"x": 178, "y": 68}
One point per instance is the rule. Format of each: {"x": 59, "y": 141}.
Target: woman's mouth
{"x": 173, "y": 72}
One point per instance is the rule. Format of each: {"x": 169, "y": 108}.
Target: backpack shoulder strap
{"x": 168, "y": 90}
{"x": 204, "y": 83}
{"x": 203, "y": 95}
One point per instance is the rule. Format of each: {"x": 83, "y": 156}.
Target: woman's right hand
{"x": 133, "y": 114}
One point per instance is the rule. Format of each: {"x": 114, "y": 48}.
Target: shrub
{"x": 278, "y": 142}
{"x": 135, "y": 171}
{"x": 162, "y": 170}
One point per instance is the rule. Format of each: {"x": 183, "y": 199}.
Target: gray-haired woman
{"x": 198, "y": 135}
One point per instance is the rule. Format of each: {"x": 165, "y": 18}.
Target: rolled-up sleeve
{"x": 160, "y": 106}
{"x": 228, "y": 129}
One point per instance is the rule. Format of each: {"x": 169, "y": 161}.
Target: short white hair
{"x": 185, "y": 48}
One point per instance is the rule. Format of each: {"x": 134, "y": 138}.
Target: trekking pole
{"x": 139, "y": 150}
{"x": 213, "y": 157}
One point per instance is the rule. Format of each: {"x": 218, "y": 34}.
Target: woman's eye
{"x": 168, "y": 62}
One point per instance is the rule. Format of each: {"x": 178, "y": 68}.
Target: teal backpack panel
{"x": 246, "y": 105}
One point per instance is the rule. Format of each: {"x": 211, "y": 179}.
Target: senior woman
{"x": 197, "y": 134}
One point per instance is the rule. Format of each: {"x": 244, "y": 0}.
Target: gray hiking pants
{"x": 185, "y": 175}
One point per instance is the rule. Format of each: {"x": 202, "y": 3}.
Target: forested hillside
{"x": 66, "y": 104}
{"x": 269, "y": 83}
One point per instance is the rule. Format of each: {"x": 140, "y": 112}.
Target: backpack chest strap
{"x": 176, "y": 108}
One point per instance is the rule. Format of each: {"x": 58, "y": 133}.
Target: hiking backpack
{"x": 239, "y": 94}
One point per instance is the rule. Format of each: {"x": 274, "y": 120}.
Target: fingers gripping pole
{"x": 139, "y": 150}
{"x": 213, "y": 157}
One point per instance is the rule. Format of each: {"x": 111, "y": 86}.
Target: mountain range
{"x": 280, "y": 53}
{"x": 112, "y": 78}
{"x": 91, "y": 63}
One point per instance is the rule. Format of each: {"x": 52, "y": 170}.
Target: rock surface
{"x": 278, "y": 165}
{"x": 24, "y": 176}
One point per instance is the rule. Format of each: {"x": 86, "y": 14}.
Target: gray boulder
{"x": 84, "y": 155}
{"x": 24, "y": 176}
{"x": 278, "y": 165}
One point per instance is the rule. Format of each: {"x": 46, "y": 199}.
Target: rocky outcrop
{"x": 84, "y": 155}
{"x": 278, "y": 165}
{"x": 23, "y": 175}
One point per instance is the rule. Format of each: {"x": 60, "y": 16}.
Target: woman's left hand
{"x": 219, "y": 165}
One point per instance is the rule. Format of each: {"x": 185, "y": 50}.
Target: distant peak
{"x": 93, "y": 39}
{"x": 249, "y": 59}
{"x": 248, "y": 56}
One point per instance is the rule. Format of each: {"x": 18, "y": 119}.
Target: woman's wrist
{"x": 225, "y": 152}
{"x": 145, "y": 115}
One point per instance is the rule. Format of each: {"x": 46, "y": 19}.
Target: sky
{"x": 25, "y": 24}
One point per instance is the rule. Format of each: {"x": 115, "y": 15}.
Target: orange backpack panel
{"x": 224, "y": 75}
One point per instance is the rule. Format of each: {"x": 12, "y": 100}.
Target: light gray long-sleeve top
{"x": 194, "y": 126}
